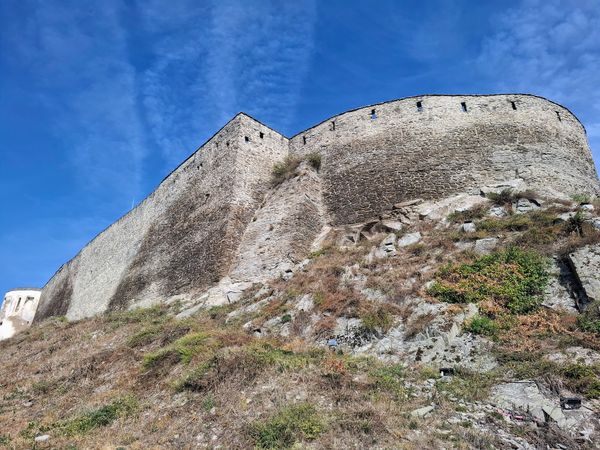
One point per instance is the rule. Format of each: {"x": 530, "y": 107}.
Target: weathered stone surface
{"x": 525, "y": 396}
{"x": 468, "y": 227}
{"x": 586, "y": 265}
{"x": 578, "y": 355}
{"x": 559, "y": 291}
{"x": 440, "y": 209}
{"x": 422, "y": 412}
{"x": 524, "y": 205}
{"x": 514, "y": 185}
{"x": 497, "y": 211}
{"x": 486, "y": 245}
{"x": 409, "y": 239}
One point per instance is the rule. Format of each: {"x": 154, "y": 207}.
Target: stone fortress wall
{"x": 216, "y": 215}
{"x": 181, "y": 238}
{"x": 429, "y": 147}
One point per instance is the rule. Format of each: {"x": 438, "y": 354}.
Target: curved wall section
{"x": 433, "y": 146}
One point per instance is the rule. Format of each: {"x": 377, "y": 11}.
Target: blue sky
{"x": 99, "y": 100}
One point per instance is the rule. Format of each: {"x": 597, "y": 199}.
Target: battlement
{"x": 202, "y": 222}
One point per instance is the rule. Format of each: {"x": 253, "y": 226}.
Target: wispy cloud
{"x": 75, "y": 57}
{"x": 222, "y": 58}
{"x": 551, "y": 48}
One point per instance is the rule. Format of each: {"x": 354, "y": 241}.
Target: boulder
{"x": 497, "y": 211}
{"x": 558, "y": 293}
{"x": 486, "y": 245}
{"x": 524, "y": 205}
{"x": 409, "y": 239}
{"x": 585, "y": 263}
{"x": 515, "y": 185}
{"x": 468, "y": 227}
{"x": 422, "y": 412}
{"x": 525, "y": 396}
{"x": 439, "y": 210}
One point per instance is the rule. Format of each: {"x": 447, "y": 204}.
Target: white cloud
{"x": 550, "y": 48}
{"x": 219, "y": 59}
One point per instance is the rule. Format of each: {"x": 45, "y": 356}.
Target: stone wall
{"x": 179, "y": 240}
{"x": 371, "y": 161}
{"x": 215, "y": 219}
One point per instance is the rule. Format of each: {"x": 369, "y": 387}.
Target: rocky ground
{"x": 472, "y": 322}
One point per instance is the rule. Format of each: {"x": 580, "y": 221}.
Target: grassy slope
{"x": 142, "y": 379}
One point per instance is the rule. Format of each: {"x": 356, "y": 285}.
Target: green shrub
{"x": 377, "y": 320}
{"x": 590, "y": 320}
{"x": 583, "y": 379}
{"x": 182, "y": 350}
{"x": 100, "y": 417}
{"x": 517, "y": 222}
{"x": 503, "y": 198}
{"x": 513, "y": 278}
{"x": 314, "y": 159}
{"x": 575, "y": 224}
{"x": 286, "y": 318}
{"x": 482, "y": 325}
{"x": 582, "y": 198}
{"x": 390, "y": 379}
{"x": 284, "y": 170}
{"x": 469, "y": 215}
{"x": 289, "y": 426}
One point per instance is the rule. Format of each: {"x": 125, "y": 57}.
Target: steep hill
{"x": 458, "y": 323}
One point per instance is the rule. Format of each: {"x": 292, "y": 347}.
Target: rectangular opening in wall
{"x": 261, "y": 135}
{"x": 332, "y": 126}
{"x": 246, "y": 138}
{"x": 463, "y": 105}
{"x": 419, "y": 106}
{"x": 373, "y": 114}
{"x": 514, "y": 105}
{"x": 558, "y": 115}
{"x": 304, "y": 140}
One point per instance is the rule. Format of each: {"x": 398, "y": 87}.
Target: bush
{"x": 288, "y": 426}
{"x": 285, "y": 170}
{"x": 590, "y": 320}
{"x": 482, "y": 325}
{"x": 377, "y": 320}
{"x": 583, "y": 379}
{"x": 100, "y": 417}
{"x": 314, "y": 159}
{"x": 512, "y": 278}
{"x": 503, "y": 198}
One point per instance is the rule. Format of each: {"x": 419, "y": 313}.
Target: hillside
{"x": 499, "y": 288}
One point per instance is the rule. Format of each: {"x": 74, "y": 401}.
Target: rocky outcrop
{"x": 585, "y": 263}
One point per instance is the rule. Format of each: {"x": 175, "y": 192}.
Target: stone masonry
{"x": 217, "y": 217}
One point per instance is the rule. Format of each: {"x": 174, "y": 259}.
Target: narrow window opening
{"x": 463, "y": 105}
{"x": 332, "y": 126}
{"x": 217, "y": 144}
{"x": 227, "y": 143}
{"x": 419, "y": 106}
{"x": 558, "y": 115}
{"x": 514, "y": 105}
{"x": 261, "y": 134}
{"x": 246, "y": 138}
{"x": 373, "y": 114}
{"x": 304, "y": 140}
